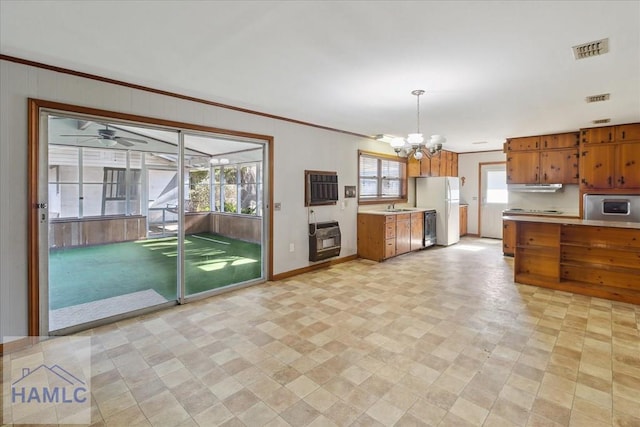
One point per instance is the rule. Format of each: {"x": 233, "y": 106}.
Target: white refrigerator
{"x": 441, "y": 193}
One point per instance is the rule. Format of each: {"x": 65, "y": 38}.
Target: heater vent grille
{"x": 590, "y": 49}
{"x": 600, "y": 121}
{"x": 598, "y": 98}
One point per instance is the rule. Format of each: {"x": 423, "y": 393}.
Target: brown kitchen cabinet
{"x": 445, "y": 164}
{"x": 611, "y": 165}
{"x": 546, "y": 159}
{"x": 508, "y": 237}
{"x": 560, "y": 140}
{"x": 384, "y": 236}
{"x": 525, "y": 143}
{"x": 559, "y": 166}
{"x": 464, "y": 216}
{"x": 403, "y": 233}
{"x": 523, "y": 167}
{"x": 417, "y": 230}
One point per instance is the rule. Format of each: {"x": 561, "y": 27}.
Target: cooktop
{"x": 533, "y": 211}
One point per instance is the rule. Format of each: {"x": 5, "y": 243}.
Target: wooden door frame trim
{"x": 480, "y": 164}
{"x": 33, "y": 113}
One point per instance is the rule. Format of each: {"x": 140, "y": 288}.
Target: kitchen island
{"x": 588, "y": 257}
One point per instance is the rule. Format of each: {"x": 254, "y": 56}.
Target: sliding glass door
{"x": 140, "y": 216}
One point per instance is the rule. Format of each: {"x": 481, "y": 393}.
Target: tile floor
{"x": 441, "y": 337}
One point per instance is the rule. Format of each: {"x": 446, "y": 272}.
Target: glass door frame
{"x": 38, "y": 304}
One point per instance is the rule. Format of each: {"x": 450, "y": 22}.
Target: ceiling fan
{"x": 108, "y": 138}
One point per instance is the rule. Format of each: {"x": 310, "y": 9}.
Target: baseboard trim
{"x": 20, "y": 344}
{"x": 313, "y": 267}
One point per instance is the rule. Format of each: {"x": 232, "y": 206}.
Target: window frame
{"x": 402, "y": 198}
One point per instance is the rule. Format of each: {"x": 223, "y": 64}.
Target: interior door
{"x": 493, "y": 198}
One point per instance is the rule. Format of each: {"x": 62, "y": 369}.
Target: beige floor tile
{"x": 365, "y": 343}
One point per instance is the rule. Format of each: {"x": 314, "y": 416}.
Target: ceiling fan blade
{"x": 131, "y": 140}
{"x": 123, "y": 141}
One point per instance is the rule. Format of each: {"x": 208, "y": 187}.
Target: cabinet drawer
{"x": 524, "y": 143}
{"x": 390, "y": 230}
{"x": 561, "y": 140}
{"x": 390, "y": 218}
{"x": 390, "y": 248}
{"x": 597, "y": 135}
{"x": 629, "y": 132}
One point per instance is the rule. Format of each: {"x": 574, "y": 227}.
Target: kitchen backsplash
{"x": 566, "y": 200}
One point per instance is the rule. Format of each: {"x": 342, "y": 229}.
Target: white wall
{"x": 566, "y": 200}
{"x": 296, "y": 148}
{"x": 468, "y": 168}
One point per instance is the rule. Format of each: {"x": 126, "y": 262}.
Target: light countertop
{"x": 573, "y": 221}
{"x": 386, "y": 212}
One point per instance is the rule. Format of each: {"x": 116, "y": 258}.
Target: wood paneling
{"x": 597, "y": 261}
{"x": 96, "y": 231}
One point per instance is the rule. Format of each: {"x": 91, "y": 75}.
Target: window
{"x": 497, "y": 187}
{"x": 381, "y": 178}
{"x": 238, "y": 188}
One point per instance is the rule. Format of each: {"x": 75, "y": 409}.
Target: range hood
{"x": 534, "y": 188}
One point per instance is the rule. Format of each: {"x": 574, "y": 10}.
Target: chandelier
{"x": 414, "y": 145}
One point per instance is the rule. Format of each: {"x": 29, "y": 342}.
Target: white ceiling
{"x": 491, "y": 69}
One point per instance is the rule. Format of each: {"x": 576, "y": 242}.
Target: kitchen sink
{"x": 399, "y": 210}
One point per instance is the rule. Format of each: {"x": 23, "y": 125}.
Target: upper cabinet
{"x": 445, "y": 164}
{"x": 546, "y": 159}
{"x": 610, "y": 157}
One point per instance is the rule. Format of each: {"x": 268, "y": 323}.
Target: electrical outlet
{"x": 277, "y": 206}
{"x": 291, "y": 247}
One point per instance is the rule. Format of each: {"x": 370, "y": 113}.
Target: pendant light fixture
{"x": 414, "y": 144}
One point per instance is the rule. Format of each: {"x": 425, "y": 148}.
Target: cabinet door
{"x": 435, "y": 165}
{"x": 628, "y": 165}
{"x": 561, "y": 140}
{"x": 413, "y": 167}
{"x": 508, "y": 237}
{"x": 524, "y": 143}
{"x": 523, "y": 167}
{"x": 463, "y": 220}
{"x": 596, "y": 166}
{"x": 425, "y": 166}
{"x": 559, "y": 166}
{"x": 454, "y": 164}
{"x": 599, "y": 135}
{"x": 403, "y": 236}
{"x": 445, "y": 163}
{"x": 417, "y": 230}
{"x": 630, "y": 132}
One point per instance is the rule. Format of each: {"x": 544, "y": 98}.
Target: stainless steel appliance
{"x": 430, "y": 236}
{"x": 612, "y": 207}
{"x": 442, "y": 194}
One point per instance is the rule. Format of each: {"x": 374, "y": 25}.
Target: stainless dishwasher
{"x": 429, "y": 228}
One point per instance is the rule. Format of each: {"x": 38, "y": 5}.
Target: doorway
{"x": 134, "y": 216}
{"x": 494, "y": 198}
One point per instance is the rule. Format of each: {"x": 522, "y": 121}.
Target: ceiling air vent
{"x": 600, "y": 121}
{"x": 598, "y": 98}
{"x": 590, "y": 49}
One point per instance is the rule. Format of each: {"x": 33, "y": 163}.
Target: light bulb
{"x": 415, "y": 139}
{"x": 397, "y": 142}
{"x": 418, "y": 155}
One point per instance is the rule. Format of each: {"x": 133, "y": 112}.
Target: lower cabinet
{"x": 598, "y": 261}
{"x": 464, "y": 215}
{"x": 385, "y": 236}
{"x": 508, "y": 237}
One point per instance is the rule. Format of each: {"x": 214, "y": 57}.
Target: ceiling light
{"x": 384, "y": 138}
{"x": 600, "y": 121}
{"x": 414, "y": 145}
{"x": 108, "y": 142}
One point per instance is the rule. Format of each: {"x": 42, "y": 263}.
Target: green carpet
{"x": 85, "y": 274}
